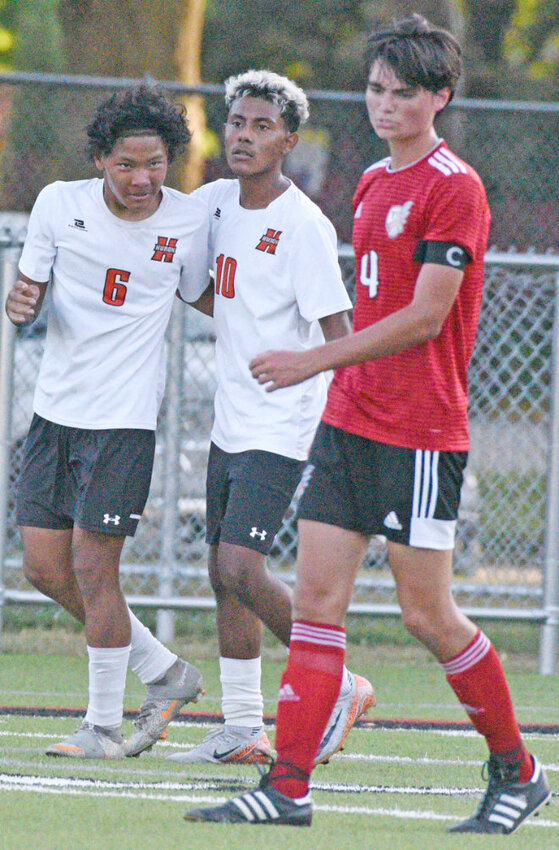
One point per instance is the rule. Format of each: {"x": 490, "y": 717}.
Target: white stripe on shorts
{"x": 426, "y": 532}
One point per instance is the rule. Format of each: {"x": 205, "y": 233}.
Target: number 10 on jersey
{"x": 225, "y": 276}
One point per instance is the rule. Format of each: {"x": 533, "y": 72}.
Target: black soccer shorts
{"x": 247, "y": 495}
{"x": 410, "y": 496}
{"x": 96, "y": 479}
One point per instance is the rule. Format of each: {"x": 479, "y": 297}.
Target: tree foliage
{"x": 320, "y": 44}
{"x": 532, "y": 42}
{"x": 32, "y": 134}
{"x": 512, "y": 49}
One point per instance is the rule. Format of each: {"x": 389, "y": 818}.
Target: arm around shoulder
{"x": 205, "y": 302}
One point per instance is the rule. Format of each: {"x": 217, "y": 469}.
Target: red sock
{"x": 477, "y": 678}
{"x": 309, "y": 689}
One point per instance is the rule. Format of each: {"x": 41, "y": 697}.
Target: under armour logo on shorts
{"x": 114, "y": 519}
{"x": 255, "y": 533}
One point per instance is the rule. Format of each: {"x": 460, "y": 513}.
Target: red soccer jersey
{"x": 417, "y": 398}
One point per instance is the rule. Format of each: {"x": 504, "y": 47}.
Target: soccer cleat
{"x": 347, "y": 710}
{"x": 90, "y": 742}
{"x": 263, "y": 806}
{"x": 164, "y": 699}
{"x": 230, "y": 745}
{"x": 507, "y": 803}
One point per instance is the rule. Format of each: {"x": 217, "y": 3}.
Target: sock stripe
{"x": 318, "y": 635}
{"x": 473, "y": 653}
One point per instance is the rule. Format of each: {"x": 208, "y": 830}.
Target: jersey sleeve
{"x": 195, "y": 272}
{"x": 39, "y": 250}
{"x": 317, "y": 279}
{"x": 457, "y": 212}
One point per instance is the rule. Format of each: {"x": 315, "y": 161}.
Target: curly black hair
{"x": 130, "y": 111}
{"x": 419, "y": 53}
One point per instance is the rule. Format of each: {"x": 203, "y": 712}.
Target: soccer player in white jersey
{"x": 116, "y": 250}
{"x": 276, "y": 279}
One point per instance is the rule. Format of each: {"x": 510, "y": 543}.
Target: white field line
{"x": 452, "y": 733}
{"x": 364, "y": 757}
{"x": 9, "y": 779}
{"x": 408, "y": 814}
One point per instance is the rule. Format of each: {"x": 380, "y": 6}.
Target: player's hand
{"x": 279, "y": 369}
{"x": 21, "y": 302}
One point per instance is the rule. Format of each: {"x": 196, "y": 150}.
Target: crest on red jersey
{"x": 396, "y": 219}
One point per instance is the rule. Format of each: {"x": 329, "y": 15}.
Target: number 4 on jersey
{"x": 369, "y": 272}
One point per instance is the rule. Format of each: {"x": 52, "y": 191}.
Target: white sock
{"x": 242, "y": 703}
{"x": 107, "y": 681}
{"x": 345, "y": 687}
{"x": 149, "y": 659}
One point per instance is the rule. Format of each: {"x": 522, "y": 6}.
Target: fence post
{"x": 8, "y": 273}
{"x": 173, "y": 395}
{"x": 548, "y": 633}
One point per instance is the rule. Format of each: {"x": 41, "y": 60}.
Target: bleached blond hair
{"x": 292, "y": 100}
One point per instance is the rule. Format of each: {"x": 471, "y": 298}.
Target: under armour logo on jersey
{"x": 391, "y": 521}
{"x": 269, "y": 241}
{"x": 287, "y": 694}
{"x": 114, "y": 519}
{"x": 396, "y": 219}
{"x": 255, "y": 533}
{"x": 164, "y": 249}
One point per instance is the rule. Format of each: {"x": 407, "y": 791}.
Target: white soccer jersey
{"x": 113, "y": 287}
{"x": 276, "y": 273}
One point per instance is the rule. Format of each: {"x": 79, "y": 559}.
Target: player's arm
{"x": 25, "y": 300}
{"x": 205, "y": 303}
{"x": 335, "y": 326}
{"x": 417, "y": 322}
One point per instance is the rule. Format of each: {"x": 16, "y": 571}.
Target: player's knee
{"x": 236, "y": 577}
{"x": 417, "y": 622}
{"x": 33, "y": 573}
{"x": 318, "y": 603}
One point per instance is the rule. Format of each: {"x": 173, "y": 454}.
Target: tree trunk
{"x": 188, "y": 58}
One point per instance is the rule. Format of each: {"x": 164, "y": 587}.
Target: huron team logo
{"x": 164, "y": 249}
{"x": 396, "y": 219}
{"x": 269, "y": 241}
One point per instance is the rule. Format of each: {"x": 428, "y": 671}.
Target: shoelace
{"x": 496, "y": 773}
{"x": 144, "y": 713}
{"x": 294, "y": 773}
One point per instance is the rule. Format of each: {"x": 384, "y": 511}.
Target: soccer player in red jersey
{"x": 389, "y": 454}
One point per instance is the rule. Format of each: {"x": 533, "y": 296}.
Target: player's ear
{"x": 98, "y": 163}
{"x": 442, "y": 97}
{"x": 290, "y": 141}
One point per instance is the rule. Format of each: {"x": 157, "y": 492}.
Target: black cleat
{"x": 264, "y": 805}
{"x": 507, "y": 803}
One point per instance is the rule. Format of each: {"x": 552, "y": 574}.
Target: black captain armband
{"x": 441, "y": 253}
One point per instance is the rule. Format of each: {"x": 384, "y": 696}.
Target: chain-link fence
{"x": 505, "y": 529}
{"x": 508, "y": 544}
{"x": 513, "y": 146}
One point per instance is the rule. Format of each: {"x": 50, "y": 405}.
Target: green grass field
{"x": 390, "y": 789}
